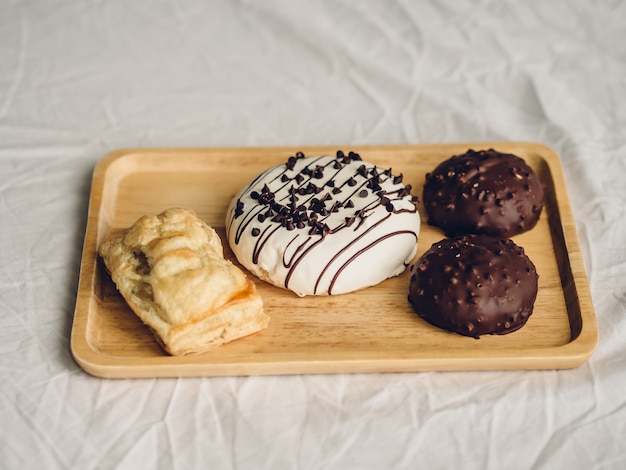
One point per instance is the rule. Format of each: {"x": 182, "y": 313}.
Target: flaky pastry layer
{"x": 171, "y": 271}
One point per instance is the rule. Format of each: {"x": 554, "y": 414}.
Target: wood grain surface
{"x": 373, "y": 330}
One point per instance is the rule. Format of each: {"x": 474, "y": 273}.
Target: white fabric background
{"x": 81, "y": 78}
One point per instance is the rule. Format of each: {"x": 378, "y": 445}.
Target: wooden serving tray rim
{"x": 579, "y": 348}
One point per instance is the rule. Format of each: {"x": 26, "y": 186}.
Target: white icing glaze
{"x": 365, "y": 231}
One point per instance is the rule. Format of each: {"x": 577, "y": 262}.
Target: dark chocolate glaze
{"x": 474, "y": 285}
{"x": 483, "y": 192}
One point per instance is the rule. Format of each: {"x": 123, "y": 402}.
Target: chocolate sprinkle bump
{"x": 451, "y": 290}
{"x": 483, "y": 192}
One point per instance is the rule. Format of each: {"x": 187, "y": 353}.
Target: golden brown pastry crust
{"x": 171, "y": 271}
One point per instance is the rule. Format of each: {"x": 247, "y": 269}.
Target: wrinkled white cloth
{"x": 79, "y": 79}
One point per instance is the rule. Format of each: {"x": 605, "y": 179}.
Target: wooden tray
{"x": 374, "y": 330}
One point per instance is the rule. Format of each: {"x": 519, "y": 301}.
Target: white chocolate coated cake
{"x": 324, "y": 225}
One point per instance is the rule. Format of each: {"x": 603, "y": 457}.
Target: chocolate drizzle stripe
{"x": 249, "y": 218}
{"x": 258, "y": 246}
{"x": 288, "y": 263}
{"x": 363, "y": 250}
{"x": 339, "y": 253}
{"x": 299, "y": 259}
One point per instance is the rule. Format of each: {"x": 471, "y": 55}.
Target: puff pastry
{"x": 171, "y": 271}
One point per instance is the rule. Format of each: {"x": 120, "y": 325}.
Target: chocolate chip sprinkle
{"x": 301, "y": 206}
{"x": 291, "y": 163}
{"x": 239, "y": 208}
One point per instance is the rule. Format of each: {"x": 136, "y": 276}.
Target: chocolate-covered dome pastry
{"x": 483, "y": 192}
{"x": 474, "y": 285}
